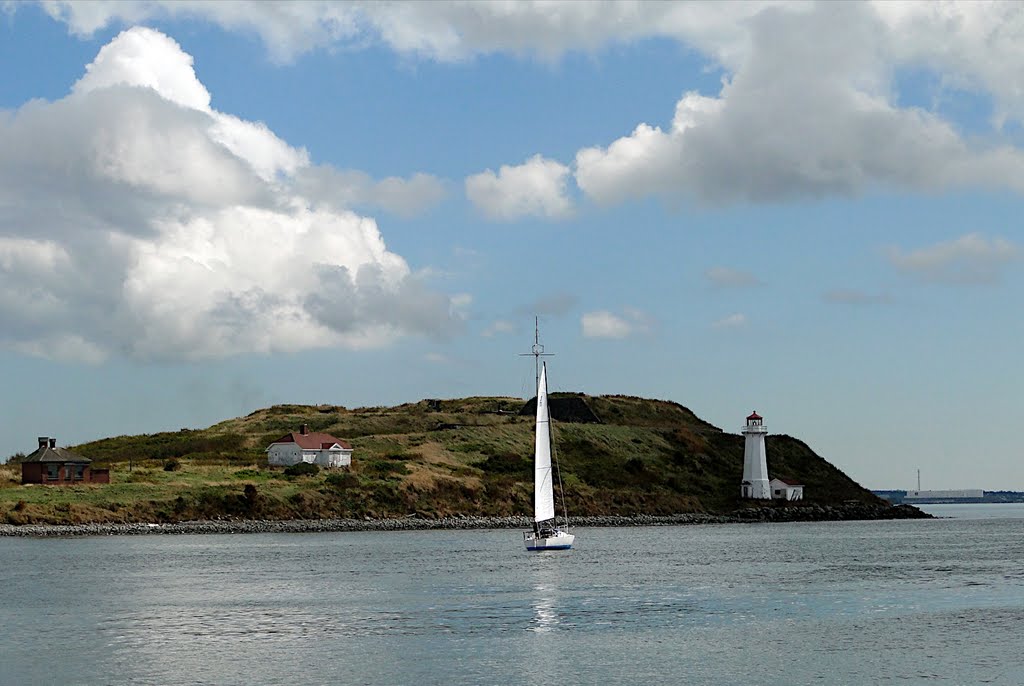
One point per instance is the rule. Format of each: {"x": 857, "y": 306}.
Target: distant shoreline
{"x": 810, "y": 513}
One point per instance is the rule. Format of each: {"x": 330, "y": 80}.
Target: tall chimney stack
{"x": 53, "y": 442}
{"x": 304, "y": 430}
{"x": 43, "y": 440}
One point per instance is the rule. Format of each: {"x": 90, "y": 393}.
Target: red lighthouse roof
{"x": 754, "y": 415}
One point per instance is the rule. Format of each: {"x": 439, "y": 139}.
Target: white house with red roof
{"x": 786, "y": 489}
{"x": 309, "y": 446}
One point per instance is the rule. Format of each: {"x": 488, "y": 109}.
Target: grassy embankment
{"x": 470, "y": 456}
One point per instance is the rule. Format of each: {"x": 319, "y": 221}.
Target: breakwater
{"x": 803, "y": 513}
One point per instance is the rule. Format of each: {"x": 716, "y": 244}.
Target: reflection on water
{"x": 829, "y": 603}
{"x": 545, "y": 618}
{"x": 547, "y": 574}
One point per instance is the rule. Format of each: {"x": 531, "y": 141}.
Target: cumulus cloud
{"x": 605, "y": 324}
{"x": 733, "y": 321}
{"x": 536, "y": 187}
{"x": 352, "y": 188}
{"x": 440, "y": 30}
{"x": 135, "y": 219}
{"x": 724, "y": 277}
{"x": 809, "y": 106}
{"x": 970, "y": 259}
{"x": 798, "y": 118}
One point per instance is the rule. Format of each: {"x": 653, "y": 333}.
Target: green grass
{"x": 471, "y": 456}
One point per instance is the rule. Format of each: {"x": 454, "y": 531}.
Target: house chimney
{"x": 304, "y": 430}
{"x": 53, "y": 442}
{"x": 43, "y": 440}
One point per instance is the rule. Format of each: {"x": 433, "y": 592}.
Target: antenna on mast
{"x": 537, "y": 352}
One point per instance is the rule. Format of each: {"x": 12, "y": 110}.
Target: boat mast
{"x": 538, "y": 352}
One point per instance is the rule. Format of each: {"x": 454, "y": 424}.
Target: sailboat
{"x": 546, "y": 534}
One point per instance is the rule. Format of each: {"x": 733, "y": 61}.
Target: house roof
{"x": 788, "y": 482}
{"x": 61, "y": 455}
{"x": 313, "y": 440}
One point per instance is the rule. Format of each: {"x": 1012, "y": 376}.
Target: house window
{"x": 79, "y": 472}
{"x": 52, "y": 472}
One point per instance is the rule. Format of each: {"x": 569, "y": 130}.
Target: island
{"x": 436, "y": 463}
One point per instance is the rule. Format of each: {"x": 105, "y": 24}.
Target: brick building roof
{"x": 49, "y": 452}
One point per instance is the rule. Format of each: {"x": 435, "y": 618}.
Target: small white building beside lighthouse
{"x": 755, "y": 460}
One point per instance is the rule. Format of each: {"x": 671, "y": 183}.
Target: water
{"x": 908, "y": 602}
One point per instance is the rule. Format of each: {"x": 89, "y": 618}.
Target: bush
{"x": 302, "y": 469}
{"x": 342, "y": 480}
{"x": 507, "y": 463}
{"x": 383, "y": 468}
{"x": 172, "y": 465}
{"x": 251, "y": 497}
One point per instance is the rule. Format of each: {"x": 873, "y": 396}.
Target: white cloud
{"x": 809, "y": 106}
{"x": 350, "y": 188}
{"x": 972, "y": 45}
{"x": 286, "y": 28}
{"x": 733, "y": 321}
{"x": 536, "y": 187}
{"x": 724, "y": 277}
{"x": 808, "y": 112}
{"x": 604, "y": 324}
{"x": 970, "y": 259}
{"x": 137, "y": 220}
{"x": 553, "y": 304}
{"x": 845, "y": 296}
{"x": 437, "y": 30}
{"x": 498, "y": 327}
{"x": 437, "y": 358}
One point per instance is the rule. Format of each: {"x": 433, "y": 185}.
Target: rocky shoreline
{"x": 807, "y": 513}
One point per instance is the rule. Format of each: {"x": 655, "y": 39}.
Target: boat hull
{"x": 559, "y": 540}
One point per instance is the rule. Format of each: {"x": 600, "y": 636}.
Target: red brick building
{"x": 59, "y": 466}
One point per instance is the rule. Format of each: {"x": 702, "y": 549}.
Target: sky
{"x": 810, "y": 210}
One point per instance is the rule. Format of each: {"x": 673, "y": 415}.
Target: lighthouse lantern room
{"x": 755, "y": 461}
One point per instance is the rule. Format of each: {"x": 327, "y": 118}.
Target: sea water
{"x": 901, "y": 602}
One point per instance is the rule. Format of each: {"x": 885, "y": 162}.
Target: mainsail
{"x": 543, "y": 492}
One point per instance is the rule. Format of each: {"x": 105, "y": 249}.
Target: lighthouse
{"x": 755, "y": 461}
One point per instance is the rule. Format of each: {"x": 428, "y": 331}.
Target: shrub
{"x": 384, "y": 469}
{"x": 251, "y": 496}
{"x": 302, "y": 469}
{"x": 341, "y": 480}
{"x": 507, "y": 463}
{"x": 172, "y": 465}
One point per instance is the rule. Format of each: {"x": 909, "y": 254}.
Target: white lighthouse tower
{"x": 755, "y": 461}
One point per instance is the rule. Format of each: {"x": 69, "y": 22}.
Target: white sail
{"x": 543, "y": 492}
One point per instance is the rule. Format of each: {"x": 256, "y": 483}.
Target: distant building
{"x": 309, "y": 446}
{"x": 59, "y": 466}
{"x": 784, "y": 489}
{"x": 755, "y": 461}
{"x": 963, "y": 495}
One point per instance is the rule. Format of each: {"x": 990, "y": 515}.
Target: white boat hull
{"x": 559, "y": 540}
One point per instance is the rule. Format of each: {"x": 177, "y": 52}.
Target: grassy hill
{"x": 618, "y": 456}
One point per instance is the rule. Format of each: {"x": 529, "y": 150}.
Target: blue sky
{"x": 805, "y": 209}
